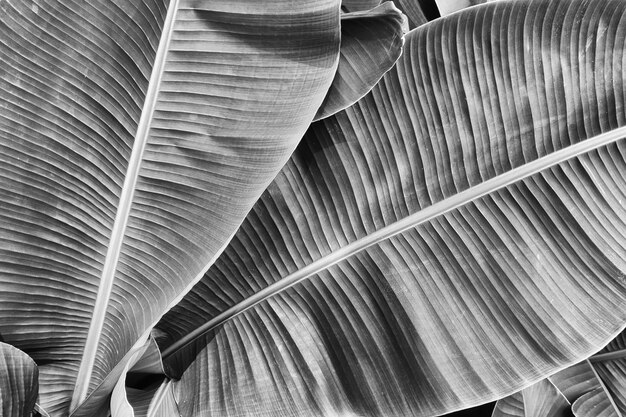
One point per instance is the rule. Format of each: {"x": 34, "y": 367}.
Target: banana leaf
{"x": 134, "y": 139}
{"x": 454, "y": 237}
{"x": 595, "y": 387}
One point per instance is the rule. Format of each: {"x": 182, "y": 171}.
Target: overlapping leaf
{"x": 595, "y": 387}
{"x": 509, "y": 252}
{"x": 371, "y": 42}
{"x": 18, "y": 382}
{"x": 134, "y": 138}
{"x": 144, "y": 390}
{"x": 540, "y": 399}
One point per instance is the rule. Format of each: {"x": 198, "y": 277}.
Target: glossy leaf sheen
{"x": 529, "y": 277}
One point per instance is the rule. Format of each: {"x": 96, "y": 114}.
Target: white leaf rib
{"x": 121, "y": 218}
{"x": 440, "y": 208}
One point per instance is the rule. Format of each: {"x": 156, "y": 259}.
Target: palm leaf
{"x": 465, "y": 213}
{"x": 135, "y": 137}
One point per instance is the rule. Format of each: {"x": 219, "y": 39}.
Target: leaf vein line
{"x": 123, "y": 212}
{"x": 423, "y": 216}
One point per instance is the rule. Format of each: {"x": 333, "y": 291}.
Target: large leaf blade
{"x": 205, "y": 165}
{"x": 120, "y": 191}
{"x": 57, "y": 124}
{"x": 526, "y": 272}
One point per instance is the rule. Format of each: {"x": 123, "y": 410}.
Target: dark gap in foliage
{"x": 143, "y": 381}
{"x": 430, "y": 9}
{"x": 484, "y": 410}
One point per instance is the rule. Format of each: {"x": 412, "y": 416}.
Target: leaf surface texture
{"x": 18, "y": 382}
{"x": 134, "y": 138}
{"x": 529, "y": 276}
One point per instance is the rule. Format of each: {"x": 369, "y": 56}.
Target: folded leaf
{"x": 134, "y": 138}
{"x": 18, "y": 382}
{"x": 154, "y": 400}
{"x": 411, "y": 8}
{"x": 540, "y": 399}
{"x": 575, "y": 381}
{"x": 371, "y": 43}
{"x": 157, "y": 401}
{"x": 596, "y": 387}
{"x": 120, "y": 404}
{"x": 467, "y": 212}
{"x": 510, "y": 406}
{"x": 610, "y": 367}
{"x": 595, "y": 403}
{"x": 414, "y": 12}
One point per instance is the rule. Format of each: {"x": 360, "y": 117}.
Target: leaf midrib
{"x": 423, "y": 216}
{"x": 118, "y": 231}
{"x": 609, "y": 356}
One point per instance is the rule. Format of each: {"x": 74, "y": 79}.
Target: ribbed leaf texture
{"x": 18, "y": 382}
{"x": 594, "y": 404}
{"x": 540, "y": 399}
{"x": 134, "y": 138}
{"x": 371, "y": 42}
{"x": 595, "y": 387}
{"x": 441, "y": 225}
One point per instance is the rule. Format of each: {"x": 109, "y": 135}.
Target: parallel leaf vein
{"x": 423, "y": 216}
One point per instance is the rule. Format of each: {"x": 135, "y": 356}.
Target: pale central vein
{"x": 123, "y": 212}
{"x": 609, "y": 356}
{"x": 409, "y": 222}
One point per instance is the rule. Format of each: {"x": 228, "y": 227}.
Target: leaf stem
{"x": 118, "y": 231}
